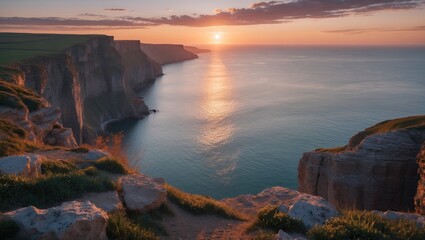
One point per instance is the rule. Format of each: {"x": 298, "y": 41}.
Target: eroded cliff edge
{"x": 376, "y": 170}
{"x": 167, "y": 53}
{"x": 91, "y": 82}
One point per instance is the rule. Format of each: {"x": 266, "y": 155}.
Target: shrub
{"x": 366, "y": 225}
{"x": 110, "y": 165}
{"x": 8, "y": 229}
{"x": 121, "y": 227}
{"x": 57, "y": 167}
{"x": 270, "y": 217}
{"x": 201, "y": 204}
{"x": 91, "y": 171}
{"x": 11, "y": 130}
{"x": 29, "y": 98}
{"x": 46, "y": 191}
{"x": 113, "y": 145}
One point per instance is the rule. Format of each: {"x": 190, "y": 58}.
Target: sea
{"x": 238, "y": 119}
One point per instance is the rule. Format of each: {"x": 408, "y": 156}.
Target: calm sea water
{"x": 237, "y": 120}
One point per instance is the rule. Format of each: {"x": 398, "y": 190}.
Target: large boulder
{"x": 393, "y": 215}
{"x": 28, "y": 165}
{"x": 107, "y": 201}
{"x": 312, "y": 210}
{"x": 142, "y": 193}
{"x": 72, "y": 220}
{"x": 376, "y": 170}
{"x": 60, "y": 137}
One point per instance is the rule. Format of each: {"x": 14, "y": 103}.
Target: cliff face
{"x": 140, "y": 70}
{"x": 376, "y": 170}
{"x": 167, "y": 53}
{"x": 89, "y": 83}
{"x": 420, "y": 193}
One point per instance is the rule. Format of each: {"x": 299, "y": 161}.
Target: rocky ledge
{"x": 376, "y": 170}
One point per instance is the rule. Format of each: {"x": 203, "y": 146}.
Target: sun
{"x": 217, "y": 36}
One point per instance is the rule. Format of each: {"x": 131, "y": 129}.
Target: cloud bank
{"x": 272, "y": 12}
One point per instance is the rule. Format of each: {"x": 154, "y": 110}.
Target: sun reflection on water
{"x": 217, "y": 107}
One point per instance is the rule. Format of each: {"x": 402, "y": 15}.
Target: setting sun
{"x": 217, "y": 37}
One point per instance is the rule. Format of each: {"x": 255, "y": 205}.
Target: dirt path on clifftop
{"x": 185, "y": 225}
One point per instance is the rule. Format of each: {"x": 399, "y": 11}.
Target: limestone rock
{"x": 61, "y": 137}
{"x": 378, "y": 173}
{"x": 312, "y": 210}
{"x": 107, "y": 201}
{"x": 420, "y": 192}
{"x": 281, "y": 235}
{"x": 417, "y": 218}
{"x": 71, "y": 220}
{"x": 142, "y": 193}
{"x": 95, "y": 154}
{"x": 25, "y": 165}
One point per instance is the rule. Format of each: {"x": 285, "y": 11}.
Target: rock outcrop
{"x": 393, "y": 215}
{"x": 71, "y": 220}
{"x": 90, "y": 83}
{"x": 167, "y": 53}
{"x": 137, "y": 64}
{"x": 142, "y": 193}
{"x": 107, "y": 201}
{"x": 28, "y": 165}
{"x": 420, "y": 193}
{"x": 376, "y": 170}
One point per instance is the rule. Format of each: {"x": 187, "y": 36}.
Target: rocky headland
{"x": 167, "y": 53}
{"x": 377, "y": 169}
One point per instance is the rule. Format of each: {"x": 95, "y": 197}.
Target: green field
{"x": 15, "y": 47}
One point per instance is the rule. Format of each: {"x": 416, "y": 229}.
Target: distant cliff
{"x": 196, "y": 50}
{"x": 91, "y": 82}
{"x": 167, "y": 53}
{"x": 376, "y": 170}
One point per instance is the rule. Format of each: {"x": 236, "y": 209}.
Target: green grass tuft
{"x": 91, "y": 171}
{"x": 8, "y": 229}
{"x": 121, "y": 227}
{"x": 110, "y": 165}
{"x": 11, "y": 130}
{"x": 366, "y": 225}
{"x": 57, "y": 167}
{"x": 270, "y": 217}
{"x": 30, "y": 99}
{"x": 46, "y": 191}
{"x": 199, "y": 204}
{"x": 11, "y": 146}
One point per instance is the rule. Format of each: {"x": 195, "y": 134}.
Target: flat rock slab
{"x": 142, "y": 193}
{"x": 70, "y": 221}
{"x": 25, "y": 165}
{"x": 81, "y": 159}
{"x": 107, "y": 201}
{"x": 312, "y": 210}
{"x": 393, "y": 215}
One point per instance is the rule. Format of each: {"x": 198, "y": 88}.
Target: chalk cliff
{"x": 376, "y": 170}
{"x": 420, "y": 193}
{"x": 167, "y": 53}
{"x": 90, "y": 83}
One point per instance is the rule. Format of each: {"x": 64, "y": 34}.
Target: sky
{"x": 286, "y": 22}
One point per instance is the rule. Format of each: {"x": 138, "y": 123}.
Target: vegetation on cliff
{"x": 18, "y": 46}
{"x": 412, "y": 122}
{"x": 270, "y": 217}
{"x": 17, "y": 97}
{"x": 366, "y": 225}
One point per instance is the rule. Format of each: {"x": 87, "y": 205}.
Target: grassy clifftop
{"x": 412, "y": 122}
{"x": 15, "y": 47}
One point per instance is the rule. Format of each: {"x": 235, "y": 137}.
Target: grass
{"x": 366, "y": 225}
{"x": 121, "y": 227}
{"x": 46, "y": 191}
{"x": 11, "y": 130}
{"x": 412, "y": 122}
{"x": 30, "y": 99}
{"x": 11, "y": 101}
{"x": 15, "y": 47}
{"x": 9, "y": 74}
{"x": 57, "y": 167}
{"x": 8, "y": 229}
{"x": 199, "y": 204}
{"x": 111, "y": 165}
{"x": 271, "y": 218}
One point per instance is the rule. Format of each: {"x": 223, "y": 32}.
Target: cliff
{"x": 376, "y": 170}
{"x": 167, "y": 53}
{"x": 420, "y": 193}
{"x": 140, "y": 70}
{"x": 196, "y": 50}
{"x": 90, "y": 82}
